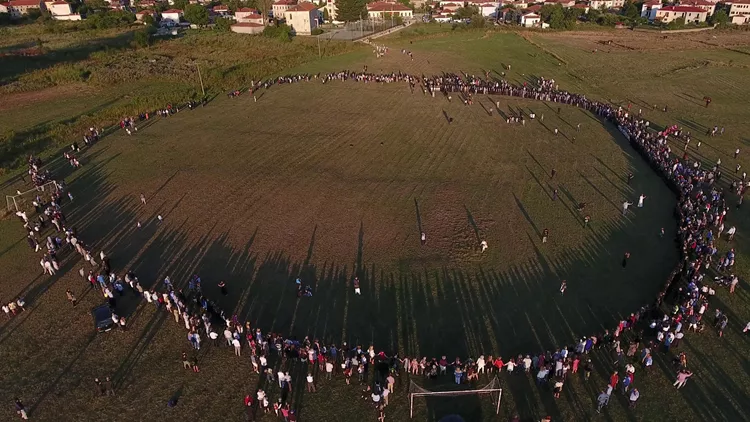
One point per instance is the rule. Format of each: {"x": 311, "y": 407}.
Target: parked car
{"x": 102, "y": 318}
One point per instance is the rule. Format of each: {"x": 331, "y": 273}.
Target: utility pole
{"x": 201, "y": 79}
{"x": 318, "y": 37}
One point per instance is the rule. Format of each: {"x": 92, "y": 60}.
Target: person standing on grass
{"x": 223, "y": 288}
{"x": 736, "y": 153}
{"x": 21, "y": 409}
{"x": 423, "y": 238}
{"x": 625, "y": 206}
{"x": 640, "y": 200}
{"x": 71, "y": 298}
{"x": 586, "y": 221}
{"x": 483, "y": 245}
{"x": 554, "y": 194}
{"x": 563, "y": 286}
{"x": 310, "y": 383}
{"x": 601, "y": 401}
{"x": 545, "y": 235}
{"x": 552, "y": 174}
{"x": 143, "y": 199}
{"x": 357, "y": 289}
{"x": 237, "y": 347}
{"x": 682, "y": 378}
{"x": 634, "y": 396}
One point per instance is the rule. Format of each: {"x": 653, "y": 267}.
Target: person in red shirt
{"x": 499, "y": 363}
{"x": 614, "y": 379}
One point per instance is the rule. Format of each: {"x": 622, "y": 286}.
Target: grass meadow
{"x": 329, "y": 181}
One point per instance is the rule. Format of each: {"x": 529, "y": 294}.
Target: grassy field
{"x": 325, "y": 182}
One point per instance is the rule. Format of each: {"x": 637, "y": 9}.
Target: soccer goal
{"x": 23, "y": 201}
{"x": 492, "y": 389}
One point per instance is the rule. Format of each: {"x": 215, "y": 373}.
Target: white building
{"x": 384, "y": 10}
{"x": 529, "y": 19}
{"x": 601, "y": 4}
{"x": 172, "y": 16}
{"x": 303, "y": 18}
{"x": 281, "y": 6}
{"x": 740, "y": 19}
{"x": 648, "y": 10}
{"x": 740, "y": 7}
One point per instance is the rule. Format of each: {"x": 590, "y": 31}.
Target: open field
{"x": 329, "y": 181}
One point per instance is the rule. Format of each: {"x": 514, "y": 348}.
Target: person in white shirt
{"x": 280, "y": 375}
{"x": 214, "y": 337}
{"x": 386, "y": 392}
{"x": 329, "y": 370}
{"x": 237, "y": 347}
{"x": 483, "y": 245}
{"x": 625, "y": 206}
{"x": 310, "y": 383}
{"x": 481, "y": 364}
{"x": 640, "y": 200}
{"x": 228, "y": 336}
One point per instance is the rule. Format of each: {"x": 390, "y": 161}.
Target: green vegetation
{"x": 196, "y": 14}
{"x": 350, "y": 10}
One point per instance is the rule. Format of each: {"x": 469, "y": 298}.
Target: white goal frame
{"x": 483, "y": 390}
{"x": 13, "y": 201}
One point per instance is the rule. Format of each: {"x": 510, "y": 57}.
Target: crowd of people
{"x": 701, "y": 212}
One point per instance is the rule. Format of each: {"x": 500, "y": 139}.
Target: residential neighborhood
{"x": 307, "y": 18}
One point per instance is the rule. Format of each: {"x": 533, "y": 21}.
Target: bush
{"x": 222, "y": 24}
{"x": 316, "y": 31}
{"x": 142, "y": 38}
{"x": 282, "y": 32}
{"x": 109, "y": 19}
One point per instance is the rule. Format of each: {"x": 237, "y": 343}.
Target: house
{"x": 617, "y": 4}
{"x": 171, "y": 16}
{"x": 62, "y": 11}
{"x": 521, "y": 4}
{"x": 564, "y": 3}
{"x": 690, "y": 14}
{"x": 145, "y": 4}
{"x": 384, "y": 10}
{"x": 601, "y": 4}
{"x": 583, "y": 7}
{"x": 529, "y": 19}
{"x": 281, "y": 6}
{"x": 649, "y": 8}
{"x": 709, "y": 7}
{"x": 488, "y": 9}
{"x": 534, "y": 8}
{"x": 139, "y": 16}
{"x": 740, "y": 20}
{"x": 17, "y": 8}
{"x": 220, "y": 10}
{"x": 442, "y": 17}
{"x": 248, "y": 15}
{"x": 451, "y": 7}
{"x": 331, "y": 8}
{"x": 303, "y": 18}
{"x": 247, "y": 28}
{"x": 739, "y": 7}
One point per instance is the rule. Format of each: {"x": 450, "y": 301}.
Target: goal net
{"x": 24, "y": 201}
{"x": 492, "y": 389}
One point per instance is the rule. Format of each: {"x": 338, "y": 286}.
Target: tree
{"x": 350, "y": 10}
{"x": 33, "y": 14}
{"x": 676, "y": 24}
{"x": 720, "y": 18}
{"x": 629, "y": 10}
{"x": 466, "y": 12}
{"x": 222, "y": 24}
{"x": 180, "y": 4}
{"x": 196, "y": 14}
{"x": 4, "y": 18}
{"x": 142, "y": 38}
{"x": 149, "y": 20}
{"x": 281, "y": 32}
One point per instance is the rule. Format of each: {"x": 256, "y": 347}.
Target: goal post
{"x": 22, "y": 201}
{"x": 492, "y": 389}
